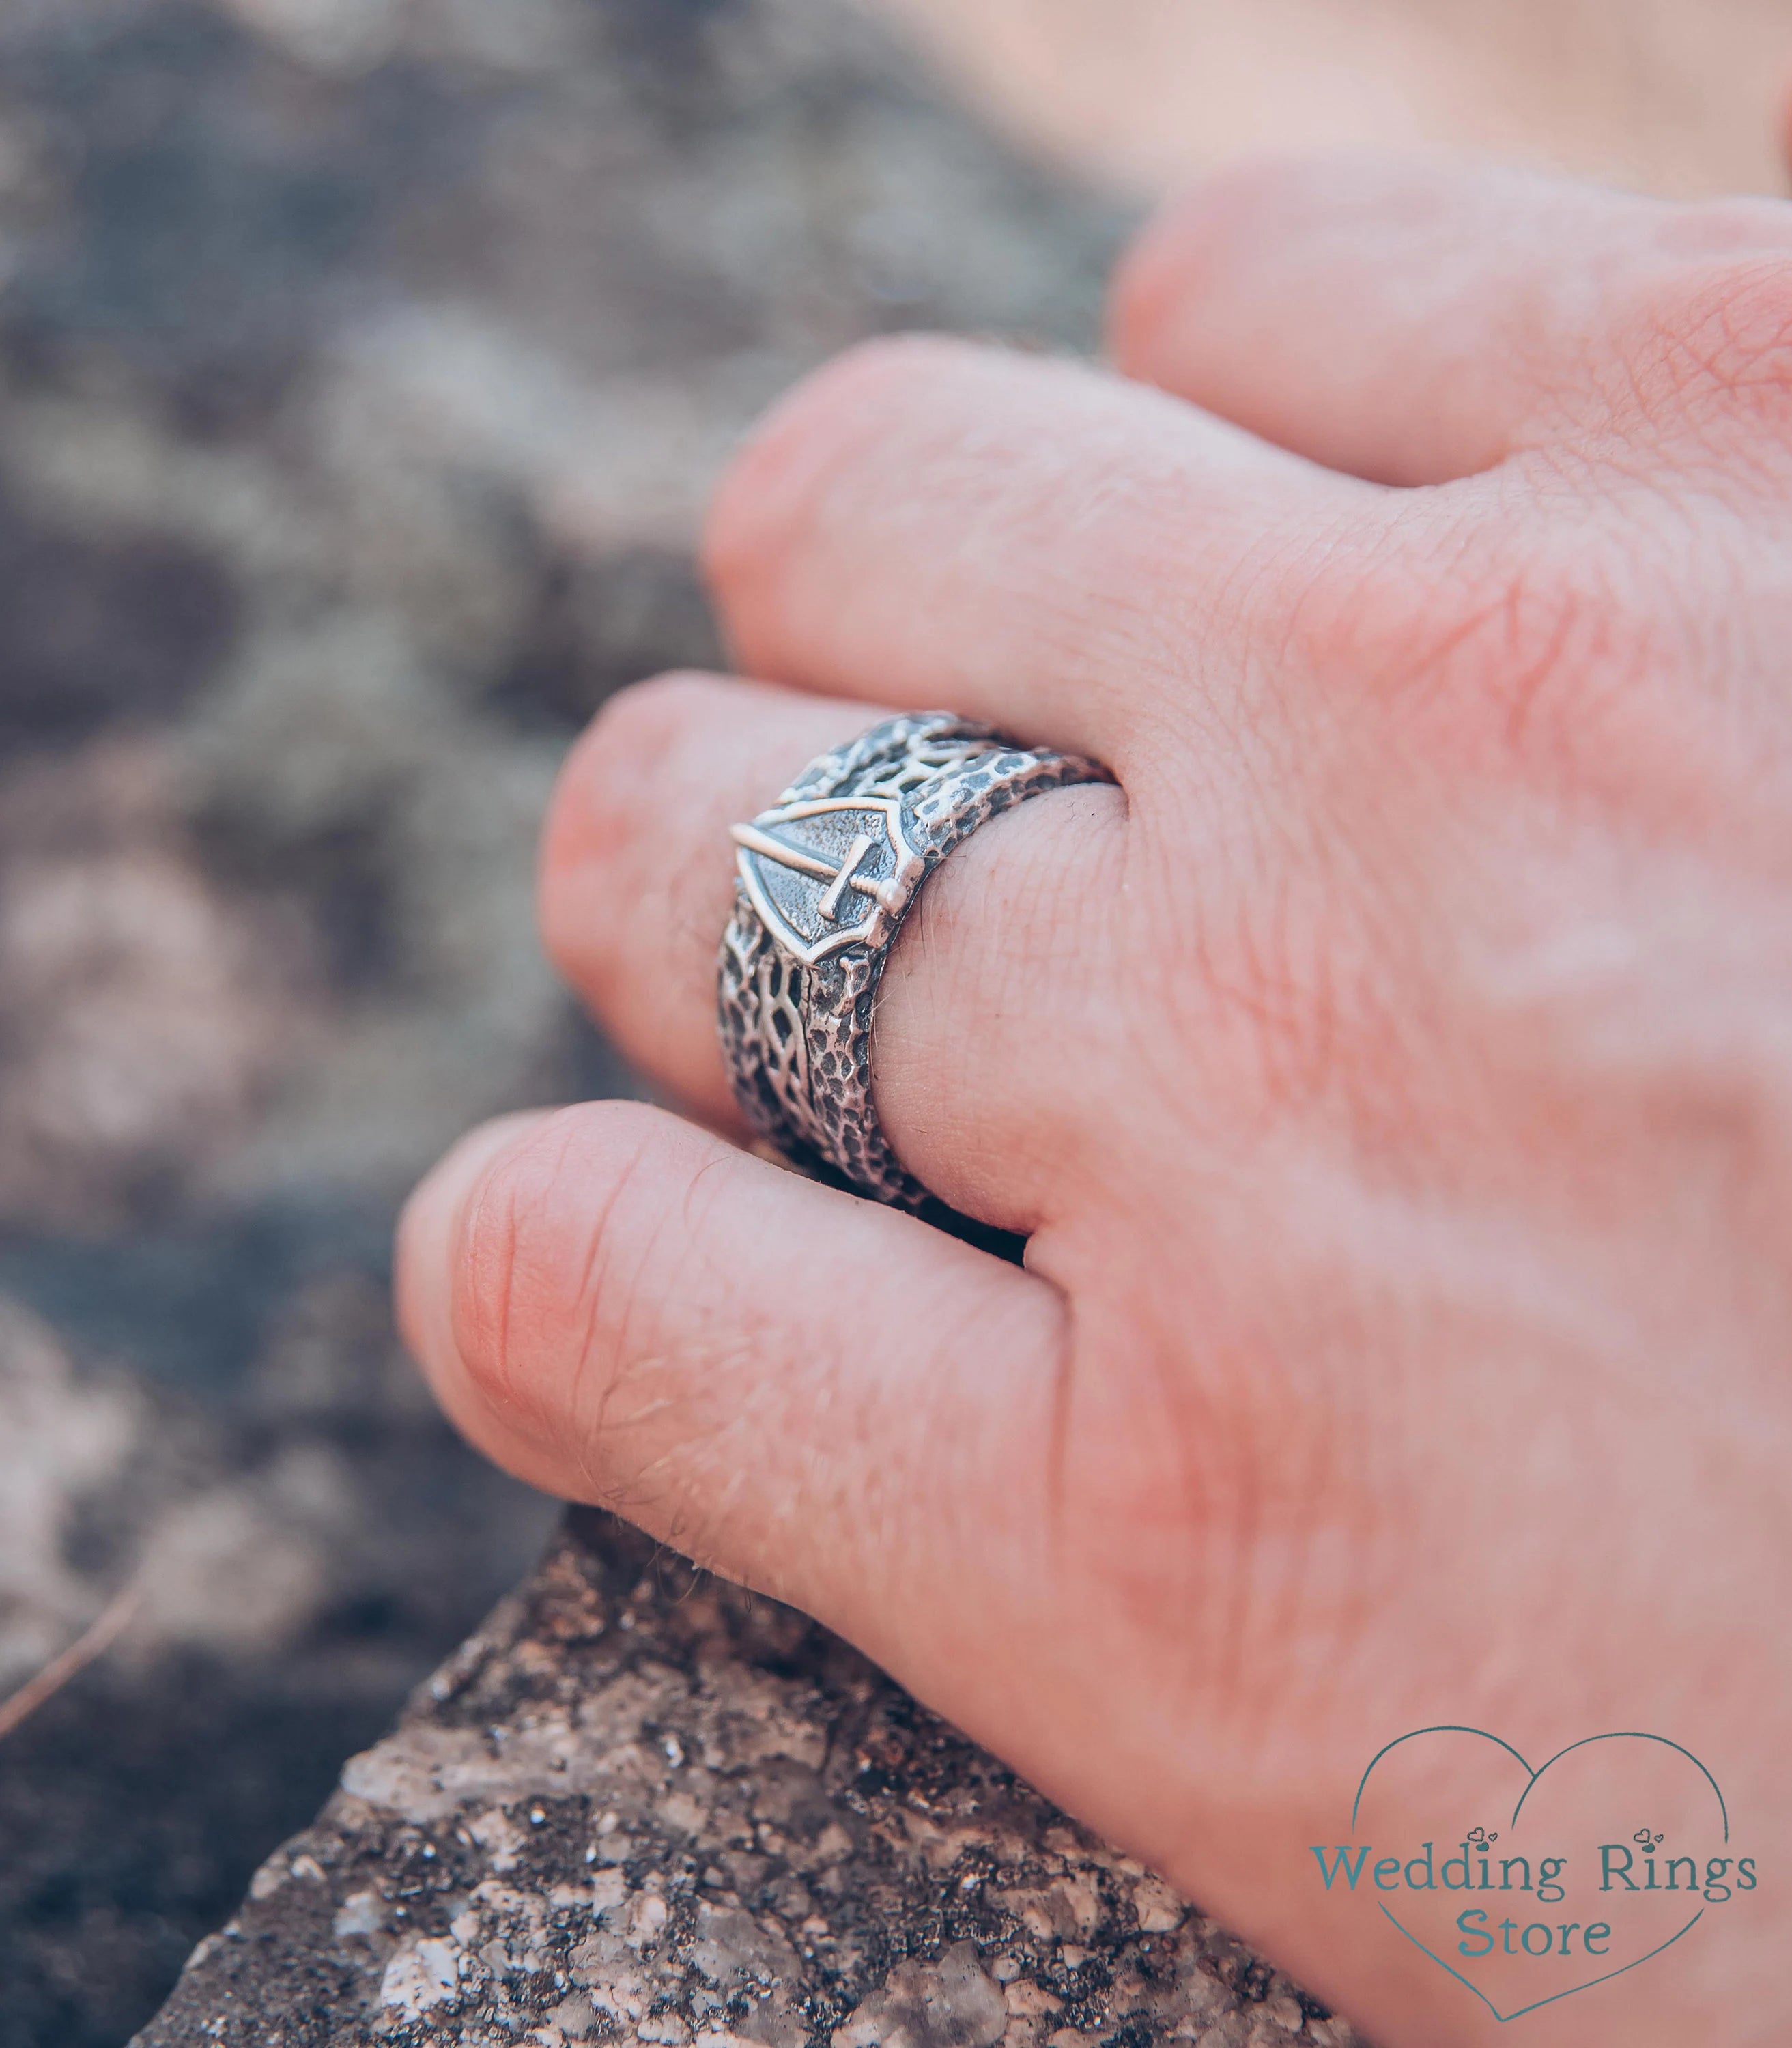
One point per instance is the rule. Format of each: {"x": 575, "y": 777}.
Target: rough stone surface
{"x": 641, "y": 1805}
{"x": 306, "y": 1544}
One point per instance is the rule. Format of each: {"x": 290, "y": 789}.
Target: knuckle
{"x": 1178, "y": 256}
{"x": 601, "y": 812}
{"x": 1193, "y": 249}
{"x": 537, "y": 1261}
{"x": 1233, "y": 203}
{"x": 648, "y": 716}
{"x": 644, "y": 724}
{"x": 780, "y": 480}
{"x": 497, "y": 1270}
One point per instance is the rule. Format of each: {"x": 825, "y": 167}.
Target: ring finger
{"x": 636, "y": 881}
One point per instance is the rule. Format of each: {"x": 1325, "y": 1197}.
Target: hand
{"x": 1394, "y": 1077}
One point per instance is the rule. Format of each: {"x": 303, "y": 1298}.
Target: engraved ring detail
{"x": 824, "y": 880}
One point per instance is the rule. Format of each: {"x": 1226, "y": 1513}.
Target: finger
{"x": 622, "y": 1309}
{"x": 637, "y": 884}
{"x": 637, "y": 871}
{"x": 931, "y": 524}
{"x": 1415, "y": 321}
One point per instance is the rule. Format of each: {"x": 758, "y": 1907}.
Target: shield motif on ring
{"x": 832, "y": 872}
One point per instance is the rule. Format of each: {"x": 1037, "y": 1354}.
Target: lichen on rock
{"x": 643, "y": 1805}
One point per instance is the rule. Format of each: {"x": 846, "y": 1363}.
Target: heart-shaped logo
{"x": 1529, "y": 1884}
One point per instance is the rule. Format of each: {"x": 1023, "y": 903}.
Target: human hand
{"x": 1392, "y": 1077}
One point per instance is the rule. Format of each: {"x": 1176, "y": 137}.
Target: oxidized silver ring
{"x": 825, "y": 879}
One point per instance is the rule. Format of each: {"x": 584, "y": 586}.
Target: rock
{"x": 293, "y": 1561}
{"x": 143, "y": 1010}
{"x": 948, "y": 2003}
{"x": 643, "y": 1805}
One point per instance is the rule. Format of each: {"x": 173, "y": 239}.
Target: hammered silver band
{"x": 824, "y": 880}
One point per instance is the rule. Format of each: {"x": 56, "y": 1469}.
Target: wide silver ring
{"x": 824, "y": 880}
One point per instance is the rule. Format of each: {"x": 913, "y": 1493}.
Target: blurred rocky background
{"x": 364, "y": 364}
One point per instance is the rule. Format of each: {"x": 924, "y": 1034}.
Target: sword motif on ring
{"x": 828, "y": 873}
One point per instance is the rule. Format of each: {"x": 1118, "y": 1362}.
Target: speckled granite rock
{"x": 641, "y": 1805}
{"x": 303, "y": 1551}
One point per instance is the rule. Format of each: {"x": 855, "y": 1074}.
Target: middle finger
{"x": 1076, "y": 559}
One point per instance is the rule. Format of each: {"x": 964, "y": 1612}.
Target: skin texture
{"x": 1393, "y": 1075}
